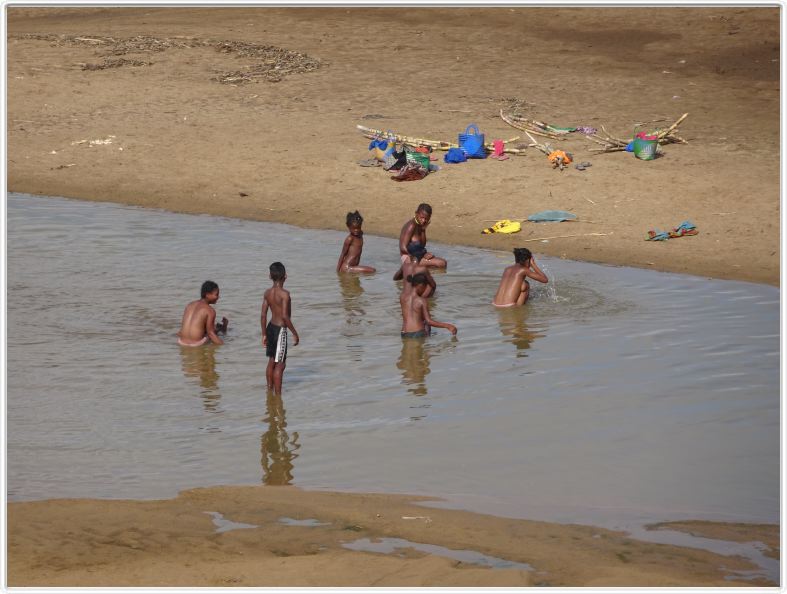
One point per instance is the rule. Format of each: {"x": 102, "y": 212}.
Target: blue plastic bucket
{"x": 472, "y": 144}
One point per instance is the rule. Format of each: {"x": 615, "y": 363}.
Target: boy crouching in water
{"x": 415, "y": 310}
{"x": 274, "y": 333}
{"x": 199, "y": 319}
{"x": 514, "y": 288}
{"x": 350, "y": 258}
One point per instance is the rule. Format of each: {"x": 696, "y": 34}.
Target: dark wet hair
{"x": 208, "y": 287}
{"x": 417, "y": 250}
{"x": 424, "y": 207}
{"x": 354, "y": 218}
{"x": 522, "y": 255}
{"x": 416, "y": 279}
{"x": 277, "y": 271}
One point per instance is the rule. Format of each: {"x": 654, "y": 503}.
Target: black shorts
{"x": 276, "y": 343}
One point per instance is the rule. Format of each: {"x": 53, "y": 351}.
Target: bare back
{"x": 412, "y": 312}
{"x": 511, "y": 285}
{"x": 278, "y": 300}
{"x": 198, "y": 321}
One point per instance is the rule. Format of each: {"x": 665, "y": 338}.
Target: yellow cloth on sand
{"x": 504, "y": 226}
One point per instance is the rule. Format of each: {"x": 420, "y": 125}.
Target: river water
{"x": 615, "y": 396}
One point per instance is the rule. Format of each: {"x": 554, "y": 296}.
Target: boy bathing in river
{"x": 274, "y": 333}
{"x": 514, "y": 288}
{"x": 415, "y": 310}
{"x": 414, "y": 265}
{"x": 414, "y": 231}
{"x": 350, "y": 257}
{"x": 199, "y": 319}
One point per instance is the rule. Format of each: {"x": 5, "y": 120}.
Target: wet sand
{"x": 287, "y": 151}
{"x": 176, "y": 543}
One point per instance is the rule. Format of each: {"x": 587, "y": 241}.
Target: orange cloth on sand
{"x": 555, "y": 154}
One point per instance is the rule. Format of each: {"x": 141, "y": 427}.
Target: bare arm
{"x": 343, "y": 255}
{"x": 535, "y": 272}
{"x": 210, "y": 327}
{"x": 286, "y": 314}
{"x": 405, "y": 237}
{"x": 428, "y": 319}
{"x": 264, "y": 321}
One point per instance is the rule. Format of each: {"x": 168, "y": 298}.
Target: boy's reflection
{"x": 513, "y": 324}
{"x": 277, "y": 448}
{"x": 414, "y": 363}
{"x": 200, "y": 363}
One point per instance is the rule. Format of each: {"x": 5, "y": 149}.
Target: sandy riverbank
{"x": 83, "y": 542}
{"x": 287, "y": 151}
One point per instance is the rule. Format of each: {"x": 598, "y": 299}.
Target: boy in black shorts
{"x": 274, "y": 334}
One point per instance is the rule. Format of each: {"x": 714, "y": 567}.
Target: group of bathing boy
{"x": 199, "y": 318}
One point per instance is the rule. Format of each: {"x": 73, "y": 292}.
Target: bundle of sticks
{"x": 532, "y": 126}
{"x": 440, "y": 145}
{"x": 611, "y": 144}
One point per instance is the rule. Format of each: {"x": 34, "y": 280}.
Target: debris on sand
{"x": 115, "y": 63}
{"x": 271, "y": 63}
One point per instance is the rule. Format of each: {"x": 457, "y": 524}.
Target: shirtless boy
{"x": 414, "y": 265}
{"x": 414, "y": 231}
{"x": 350, "y": 257}
{"x": 415, "y": 310}
{"x": 274, "y": 333}
{"x": 199, "y": 319}
{"x": 514, "y": 288}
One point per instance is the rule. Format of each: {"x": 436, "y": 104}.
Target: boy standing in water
{"x": 413, "y": 265}
{"x": 199, "y": 319}
{"x": 414, "y": 231}
{"x": 415, "y": 310}
{"x": 514, "y": 288}
{"x": 350, "y": 257}
{"x": 274, "y": 334}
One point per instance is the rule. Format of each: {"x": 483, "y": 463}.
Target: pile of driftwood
{"x": 608, "y": 143}
{"x": 611, "y": 144}
{"x": 440, "y": 145}
{"x": 271, "y": 63}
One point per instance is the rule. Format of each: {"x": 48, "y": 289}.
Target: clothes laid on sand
{"x": 685, "y": 228}
{"x": 277, "y": 342}
{"x": 504, "y": 226}
{"x": 411, "y": 172}
{"x": 187, "y": 343}
{"x": 551, "y": 216}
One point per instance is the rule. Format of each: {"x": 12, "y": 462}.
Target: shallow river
{"x": 617, "y": 396}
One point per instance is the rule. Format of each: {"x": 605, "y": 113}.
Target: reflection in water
{"x": 414, "y": 363}
{"x": 352, "y": 301}
{"x": 277, "y": 449}
{"x": 350, "y": 286}
{"x": 200, "y": 363}
{"x": 513, "y": 323}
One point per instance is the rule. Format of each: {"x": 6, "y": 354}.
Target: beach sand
{"x": 175, "y": 543}
{"x": 288, "y": 151}
{"x": 173, "y": 138}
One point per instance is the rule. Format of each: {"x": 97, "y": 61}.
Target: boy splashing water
{"x": 350, "y": 258}
{"x": 199, "y": 319}
{"x": 274, "y": 333}
{"x": 514, "y": 288}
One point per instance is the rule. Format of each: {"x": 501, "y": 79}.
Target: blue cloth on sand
{"x": 551, "y": 216}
